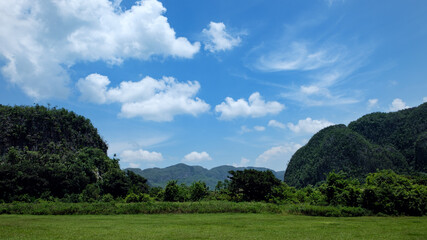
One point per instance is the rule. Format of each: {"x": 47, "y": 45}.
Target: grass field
{"x": 210, "y": 226}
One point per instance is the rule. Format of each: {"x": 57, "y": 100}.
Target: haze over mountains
{"x": 158, "y": 177}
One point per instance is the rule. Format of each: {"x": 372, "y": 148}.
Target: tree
{"x": 390, "y": 193}
{"x": 198, "y": 190}
{"x": 171, "y": 192}
{"x": 252, "y": 185}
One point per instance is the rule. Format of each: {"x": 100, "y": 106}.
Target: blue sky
{"x": 209, "y": 83}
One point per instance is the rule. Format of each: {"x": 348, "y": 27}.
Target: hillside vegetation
{"x": 396, "y": 141}
{"x": 54, "y": 153}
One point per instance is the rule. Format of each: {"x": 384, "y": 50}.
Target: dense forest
{"x": 396, "y": 141}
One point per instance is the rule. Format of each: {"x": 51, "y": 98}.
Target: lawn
{"x": 210, "y": 226}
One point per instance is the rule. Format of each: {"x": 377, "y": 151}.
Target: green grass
{"x": 210, "y": 226}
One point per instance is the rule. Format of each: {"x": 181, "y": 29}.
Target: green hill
{"x": 49, "y": 152}
{"x": 38, "y": 128}
{"x": 395, "y": 141}
{"x": 159, "y": 177}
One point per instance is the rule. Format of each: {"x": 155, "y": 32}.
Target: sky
{"x": 215, "y": 82}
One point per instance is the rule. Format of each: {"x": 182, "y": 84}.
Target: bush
{"x": 389, "y": 193}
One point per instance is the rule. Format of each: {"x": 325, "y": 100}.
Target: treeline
{"x": 384, "y": 192}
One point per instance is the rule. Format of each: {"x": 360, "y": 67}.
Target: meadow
{"x": 210, "y": 226}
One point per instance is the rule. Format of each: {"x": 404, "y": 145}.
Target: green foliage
{"x": 339, "y": 190}
{"x": 50, "y": 153}
{"x": 399, "y": 129}
{"x": 341, "y": 149}
{"x": 389, "y": 193}
{"x": 198, "y": 191}
{"x": 252, "y": 185}
{"x": 282, "y": 194}
{"x": 172, "y": 192}
{"x": 46, "y": 130}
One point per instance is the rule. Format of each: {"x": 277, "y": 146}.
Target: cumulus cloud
{"x": 397, "y": 104}
{"x": 217, "y": 39}
{"x": 372, "y": 103}
{"x": 135, "y": 157}
{"x": 155, "y": 100}
{"x": 274, "y": 123}
{"x": 41, "y": 39}
{"x": 309, "y": 125}
{"x": 254, "y": 107}
{"x": 195, "y": 157}
{"x": 424, "y": 99}
{"x": 243, "y": 163}
{"x": 275, "y": 157}
{"x": 297, "y": 57}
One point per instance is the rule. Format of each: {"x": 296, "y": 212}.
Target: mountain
{"x": 38, "y": 128}
{"x": 396, "y": 141}
{"x": 49, "y": 152}
{"x": 159, "y": 177}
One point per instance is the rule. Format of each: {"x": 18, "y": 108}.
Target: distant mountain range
{"x": 159, "y": 177}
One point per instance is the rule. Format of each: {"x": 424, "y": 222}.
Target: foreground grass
{"x": 210, "y": 226}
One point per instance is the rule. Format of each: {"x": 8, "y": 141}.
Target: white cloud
{"x": 372, "y": 103}
{"x": 217, "y": 39}
{"x": 397, "y": 104}
{"x": 155, "y": 100}
{"x": 274, "y": 123}
{"x": 424, "y": 99}
{"x": 243, "y": 163}
{"x": 297, "y": 57}
{"x": 195, "y": 157}
{"x": 277, "y": 157}
{"x": 255, "y": 107}
{"x": 138, "y": 156}
{"x": 259, "y": 128}
{"x": 42, "y": 39}
{"x": 309, "y": 125}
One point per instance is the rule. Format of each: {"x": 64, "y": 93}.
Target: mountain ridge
{"x": 183, "y": 173}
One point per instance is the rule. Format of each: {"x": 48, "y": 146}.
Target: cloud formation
{"x": 254, "y": 107}
{"x": 274, "y": 123}
{"x": 217, "y": 38}
{"x": 41, "y": 39}
{"x": 243, "y": 163}
{"x": 297, "y": 56}
{"x": 372, "y": 103}
{"x": 195, "y": 157}
{"x": 135, "y": 157}
{"x": 277, "y": 156}
{"x": 397, "y": 104}
{"x": 151, "y": 99}
{"x": 309, "y": 125}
